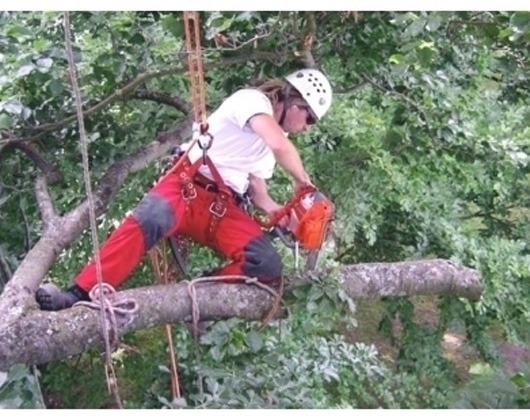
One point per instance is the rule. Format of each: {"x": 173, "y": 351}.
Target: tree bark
{"x": 31, "y": 336}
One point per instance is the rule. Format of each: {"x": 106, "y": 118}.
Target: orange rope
{"x": 195, "y": 67}
{"x": 160, "y": 266}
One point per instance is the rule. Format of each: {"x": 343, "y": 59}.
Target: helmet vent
{"x": 314, "y": 87}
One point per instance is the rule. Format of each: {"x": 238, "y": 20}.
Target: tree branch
{"x": 34, "y": 337}
{"x": 44, "y": 201}
{"x": 162, "y": 98}
{"x": 130, "y": 87}
{"x": 306, "y": 44}
{"x": 400, "y": 95}
{"x": 62, "y": 231}
{"x": 52, "y": 174}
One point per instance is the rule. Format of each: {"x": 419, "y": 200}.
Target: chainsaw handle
{"x": 286, "y": 209}
{"x": 282, "y": 234}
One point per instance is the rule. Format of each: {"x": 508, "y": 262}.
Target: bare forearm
{"x": 284, "y": 150}
{"x": 260, "y": 195}
{"x": 289, "y": 159}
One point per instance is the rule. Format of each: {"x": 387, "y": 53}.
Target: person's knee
{"x": 155, "y": 216}
{"x": 262, "y": 260}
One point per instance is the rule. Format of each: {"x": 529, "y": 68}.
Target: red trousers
{"x": 163, "y": 212}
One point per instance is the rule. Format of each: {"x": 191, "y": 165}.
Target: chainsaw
{"x": 310, "y": 213}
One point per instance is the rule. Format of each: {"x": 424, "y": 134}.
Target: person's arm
{"x": 259, "y": 193}
{"x": 283, "y": 149}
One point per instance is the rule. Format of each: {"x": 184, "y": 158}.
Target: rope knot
{"x": 106, "y": 299}
{"x": 103, "y": 298}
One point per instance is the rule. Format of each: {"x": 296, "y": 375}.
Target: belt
{"x": 242, "y": 200}
{"x": 205, "y": 182}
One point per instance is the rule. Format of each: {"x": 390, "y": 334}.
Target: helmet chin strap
{"x": 286, "y": 100}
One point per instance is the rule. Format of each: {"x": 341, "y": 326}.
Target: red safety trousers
{"x": 178, "y": 204}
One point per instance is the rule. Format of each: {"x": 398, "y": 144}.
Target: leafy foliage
{"x": 425, "y": 153}
{"x": 19, "y": 388}
{"x": 301, "y": 362}
{"x": 491, "y": 389}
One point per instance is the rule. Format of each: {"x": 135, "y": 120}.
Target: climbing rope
{"x": 195, "y": 68}
{"x": 247, "y": 280}
{"x": 200, "y": 134}
{"x": 195, "y": 312}
{"x": 104, "y": 296}
{"x": 158, "y": 256}
{"x": 112, "y": 382}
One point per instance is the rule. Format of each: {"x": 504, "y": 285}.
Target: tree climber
{"x": 203, "y": 202}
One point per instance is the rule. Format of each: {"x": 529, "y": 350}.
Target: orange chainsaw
{"x": 310, "y": 213}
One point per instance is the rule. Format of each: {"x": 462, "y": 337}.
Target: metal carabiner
{"x": 205, "y": 142}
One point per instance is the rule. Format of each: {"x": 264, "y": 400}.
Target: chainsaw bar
{"x": 311, "y": 260}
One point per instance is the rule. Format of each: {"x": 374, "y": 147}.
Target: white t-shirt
{"x": 236, "y": 150}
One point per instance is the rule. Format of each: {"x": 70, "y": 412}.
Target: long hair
{"x": 277, "y": 89}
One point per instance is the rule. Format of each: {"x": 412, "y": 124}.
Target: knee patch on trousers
{"x": 155, "y": 216}
{"x": 261, "y": 259}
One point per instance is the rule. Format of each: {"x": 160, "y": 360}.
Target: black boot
{"x": 50, "y": 298}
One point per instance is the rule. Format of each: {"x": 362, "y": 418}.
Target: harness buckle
{"x": 211, "y": 187}
{"x": 188, "y": 192}
{"x": 218, "y": 208}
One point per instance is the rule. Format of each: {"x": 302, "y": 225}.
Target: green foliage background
{"x": 424, "y": 151}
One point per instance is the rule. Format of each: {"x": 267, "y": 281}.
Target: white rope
{"x": 109, "y": 368}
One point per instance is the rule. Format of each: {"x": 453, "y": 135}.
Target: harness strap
{"x": 186, "y": 173}
{"x": 217, "y": 211}
{"x": 220, "y": 202}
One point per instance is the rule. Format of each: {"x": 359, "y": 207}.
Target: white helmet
{"x": 314, "y": 88}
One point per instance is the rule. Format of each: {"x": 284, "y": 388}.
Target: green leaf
{"x": 254, "y": 341}
{"x": 13, "y": 107}
{"x": 481, "y": 369}
{"x": 174, "y": 26}
{"x": 56, "y": 87}
{"x": 415, "y": 28}
{"x": 5, "y": 121}
{"x": 25, "y": 70}
{"x": 521, "y": 20}
{"x": 520, "y": 380}
{"x": 45, "y": 63}
{"x": 433, "y": 23}
{"x": 17, "y": 31}
{"x": 396, "y": 58}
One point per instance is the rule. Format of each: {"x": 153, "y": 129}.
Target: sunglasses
{"x": 310, "y": 118}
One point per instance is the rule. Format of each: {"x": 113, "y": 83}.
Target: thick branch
{"x": 410, "y": 278}
{"x": 63, "y": 230}
{"x": 32, "y": 336}
{"x": 44, "y": 201}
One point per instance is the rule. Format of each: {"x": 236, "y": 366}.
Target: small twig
{"x": 163, "y": 98}
{"x": 398, "y": 94}
{"x": 306, "y": 44}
